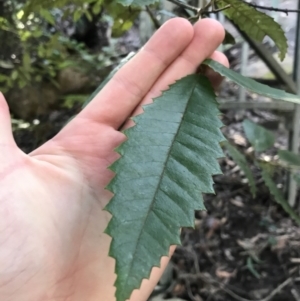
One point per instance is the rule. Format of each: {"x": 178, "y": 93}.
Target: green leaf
{"x": 123, "y": 17}
{"x": 26, "y": 61}
{"x": 229, "y": 38}
{"x": 14, "y": 75}
{"x": 254, "y": 23}
{"x": 77, "y": 15}
{"x": 289, "y": 157}
{"x": 47, "y": 16}
{"x": 88, "y": 15}
{"x": 6, "y": 64}
{"x": 3, "y": 78}
{"x": 165, "y": 165}
{"x": 32, "y": 6}
{"x": 251, "y": 268}
{"x": 71, "y": 99}
{"x": 97, "y": 8}
{"x": 296, "y": 178}
{"x": 136, "y": 2}
{"x": 241, "y": 161}
{"x": 260, "y": 138}
{"x": 251, "y": 84}
{"x": 278, "y": 196}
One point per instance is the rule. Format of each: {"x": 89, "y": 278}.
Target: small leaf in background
{"x": 26, "y": 61}
{"x": 252, "y": 269}
{"x": 77, "y": 15}
{"x": 123, "y": 17}
{"x": 251, "y": 84}
{"x": 166, "y": 164}
{"x": 289, "y": 157}
{"x": 296, "y": 178}
{"x": 97, "y": 8}
{"x": 255, "y": 24}
{"x": 241, "y": 161}
{"x": 229, "y": 39}
{"x": 70, "y": 100}
{"x": 278, "y": 196}
{"x": 88, "y": 15}
{"x": 136, "y": 2}
{"x": 3, "y": 78}
{"x": 47, "y": 16}
{"x": 14, "y": 75}
{"x": 6, "y": 64}
{"x": 33, "y": 6}
{"x": 260, "y": 138}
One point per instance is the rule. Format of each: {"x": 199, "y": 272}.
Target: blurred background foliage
{"x": 55, "y": 53}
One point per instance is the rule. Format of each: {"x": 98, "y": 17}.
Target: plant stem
{"x": 153, "y": 18}
{"x": 198, "y": 10}
{"x": 283, "y": 10}
{"x": 216, "y": 10}
{"x": 186, "y": 6}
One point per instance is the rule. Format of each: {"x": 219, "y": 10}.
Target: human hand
{"x": 51, "y": 201}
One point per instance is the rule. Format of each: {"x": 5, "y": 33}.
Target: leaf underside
{"x": 165, "y": 166}
{"x": 277, "y": 194}
{"x": 251, "y": 84}
{"x": 241, "y": 161}
{"x": 254, "y": 23}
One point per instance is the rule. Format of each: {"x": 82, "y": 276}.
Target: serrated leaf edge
{"x": 118, "y": 150}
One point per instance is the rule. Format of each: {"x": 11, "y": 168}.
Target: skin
{"x": 52, "y": 245}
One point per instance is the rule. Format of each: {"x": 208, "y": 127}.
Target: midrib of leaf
{"x": 169, "y": 153}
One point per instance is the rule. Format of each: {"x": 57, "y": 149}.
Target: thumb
{"x": 6, "y": 136}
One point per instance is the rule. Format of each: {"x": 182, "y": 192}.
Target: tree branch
{"x": 152, "y": 17}
{"x": 283, "y": 10}
{"x": 199, "y": 11}
{"x": 204, "y": 10}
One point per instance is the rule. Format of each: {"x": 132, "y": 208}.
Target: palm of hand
{"x": 51, "y": 201}
{"x": 60, "y": 222}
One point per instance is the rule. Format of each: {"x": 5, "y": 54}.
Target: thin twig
{"x": 295, "y": 294}
{"x": 189, "y": 291}
{"x": 214, "y": 11}
{"x": 223, "y": 287}
{"x": 268, "y": 298}
{"x": 278, "y": 289}
{"x": 186, "y": 6}
{"x": 199, "y": 11}
{"x": 153, "y": 18}
{"x": 283, "y": 10}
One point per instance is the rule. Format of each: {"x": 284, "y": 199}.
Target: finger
{"x": 214, "y": 77}
{"x": 208, "y": 35}
{"x": 122, "y": 94}
{"x": 5, "y": 123}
